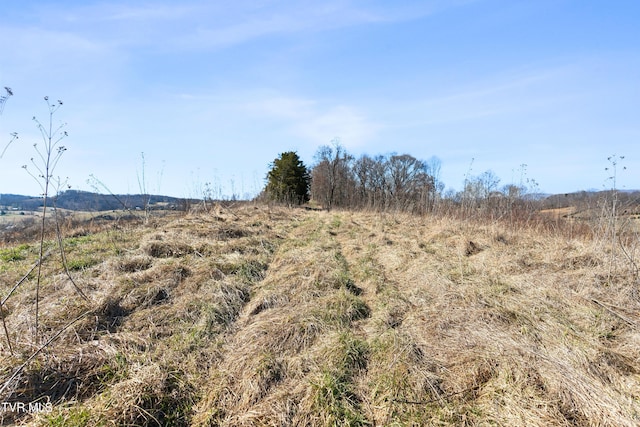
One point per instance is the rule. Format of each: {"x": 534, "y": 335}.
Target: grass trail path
{"x": 267, "y": 316}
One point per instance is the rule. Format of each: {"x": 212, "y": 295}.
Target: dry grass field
{"x": 267, "y": 316}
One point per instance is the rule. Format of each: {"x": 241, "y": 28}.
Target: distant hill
{"x": 584, "y": 199}
{"x": 88, "y": 201}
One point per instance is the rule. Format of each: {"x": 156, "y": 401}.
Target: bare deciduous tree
{"x": 332, "y": 178}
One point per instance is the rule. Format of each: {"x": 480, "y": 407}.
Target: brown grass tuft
{"x": 256, "y": 315}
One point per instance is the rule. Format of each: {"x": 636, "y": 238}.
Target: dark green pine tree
{"x": 288, "y": 180}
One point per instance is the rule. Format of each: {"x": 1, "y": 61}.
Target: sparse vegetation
{"x": 3, "y": 101}
{"x": 263, "y": 315}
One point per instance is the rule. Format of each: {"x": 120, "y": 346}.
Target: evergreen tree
{"x": 288, "y": 180}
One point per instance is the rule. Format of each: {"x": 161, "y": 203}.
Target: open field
{"x": 270, "y": 316}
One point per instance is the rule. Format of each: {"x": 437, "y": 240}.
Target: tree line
{"x": 337, "y": 179}
{"x": 381, "y": 182}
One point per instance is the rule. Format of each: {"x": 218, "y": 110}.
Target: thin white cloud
{"x": 150, "y": 12}
{"x": 511, "y": 92}
{"x": 33, "y": 42}
{"x": 315, "y": 122}
{"x": 248, "y": 21}
{"x": 199, "y": 24}
{"x": 347, "y": 123}
{"x": 280, "y": 106}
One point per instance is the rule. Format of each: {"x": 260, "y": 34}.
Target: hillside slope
{"x": 269, "y": 316}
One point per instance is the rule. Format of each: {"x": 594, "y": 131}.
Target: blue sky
{"x": 212, "y": 91}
